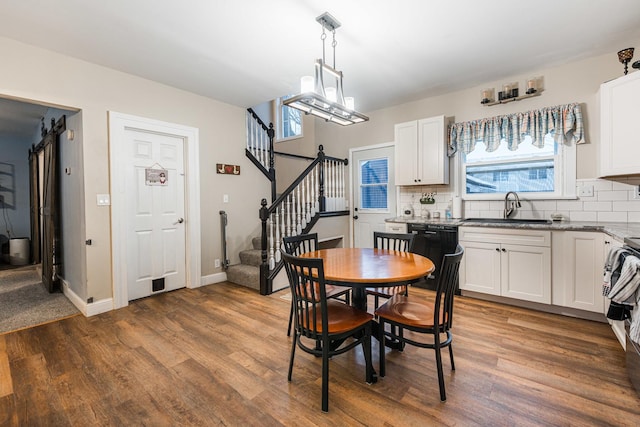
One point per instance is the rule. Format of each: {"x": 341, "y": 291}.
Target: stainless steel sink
{"x": 509, "y": 220}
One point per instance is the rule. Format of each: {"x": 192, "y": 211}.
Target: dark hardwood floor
{"x": 218, "y": 355}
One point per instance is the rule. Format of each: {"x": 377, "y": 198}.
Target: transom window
{"x": 374, "y": 177}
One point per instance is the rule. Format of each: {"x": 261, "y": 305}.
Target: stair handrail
{"x": 306, "y": 208}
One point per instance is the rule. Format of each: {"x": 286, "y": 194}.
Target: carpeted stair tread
{"x": 251, "y": 257}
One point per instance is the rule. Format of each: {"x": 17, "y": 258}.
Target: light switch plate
{"x": 103, "y": 199}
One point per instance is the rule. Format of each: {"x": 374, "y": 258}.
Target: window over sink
{"x": 532, "y": 152}
{"x": 528, "y": 169}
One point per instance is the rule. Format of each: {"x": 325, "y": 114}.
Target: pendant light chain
{"x": 334, "y": 43}
{"x": 323, "y": 37}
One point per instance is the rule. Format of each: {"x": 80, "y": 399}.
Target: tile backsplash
{"x": 598, "y": 200}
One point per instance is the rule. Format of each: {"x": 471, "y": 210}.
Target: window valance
{"x": 565, "y": 121}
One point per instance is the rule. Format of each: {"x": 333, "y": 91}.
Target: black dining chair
{"x": 417, "y": 315}
{"x": 302, "y": 243}
{"x": 403, "y": 242}
{"x": 321, "y": 325}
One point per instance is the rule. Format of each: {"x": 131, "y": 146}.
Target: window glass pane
{"x": 374, "y": 171}
{"x": 525, "y": 150}
{"x": 522, "y": 177}
{"x": 374, "y": 179}
{"x": 528, "y": 169}
{"x": 290, "y": 121}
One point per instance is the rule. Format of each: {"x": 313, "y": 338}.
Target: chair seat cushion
{"x": 387, "y": 291}
{"x": 408, "y": 311}
{"x": 341, "y": 317}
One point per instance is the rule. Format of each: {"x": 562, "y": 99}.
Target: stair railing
{"x": 260, "y": 147}
{"x": 318, "y": 191}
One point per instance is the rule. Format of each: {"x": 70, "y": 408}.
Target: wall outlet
{"x": 216, "y": 263}
{"x": 586, "y": 191}
{"x": 225, "y": 198}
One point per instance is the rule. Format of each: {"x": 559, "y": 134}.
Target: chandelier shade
{"x": 328, "y": 103}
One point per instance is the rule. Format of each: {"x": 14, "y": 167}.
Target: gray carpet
{"x": 24, "y": 302}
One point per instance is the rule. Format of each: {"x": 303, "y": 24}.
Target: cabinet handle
{"x": 504, "y": 250}
{"x": 497, "y": 249}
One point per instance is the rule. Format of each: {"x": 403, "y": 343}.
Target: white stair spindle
{"x": 316, "y": 189}
{"x": 272, "y": 261}
{"x": 303, "y": 203}
{"x": 298, "y": 216}
{"x": 247, "y": 127}
{"x": 307, "y": 203}
{"x": 341, "y": 195}
{"x": 293, "y": 214}
{"x": 278, "y": 244}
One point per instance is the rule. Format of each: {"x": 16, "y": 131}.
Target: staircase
{"x": 318, "y": 192}
{"x": 247, "y": 273}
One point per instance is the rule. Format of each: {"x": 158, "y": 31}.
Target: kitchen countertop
{"x": 617, "y": 230}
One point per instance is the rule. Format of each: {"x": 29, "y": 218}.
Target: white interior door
{"x": 374, "y": 192}
{"x": 155, "y": 203}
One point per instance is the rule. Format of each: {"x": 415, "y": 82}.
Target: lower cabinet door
{"x": 480, "y": 267}
{"x": 526, "y": 272}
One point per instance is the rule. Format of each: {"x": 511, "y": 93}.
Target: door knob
{"x": 180, "y": 221}
{"x": 355, "y": 217}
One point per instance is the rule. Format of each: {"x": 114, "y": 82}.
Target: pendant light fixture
{"x": 328, "y": 102}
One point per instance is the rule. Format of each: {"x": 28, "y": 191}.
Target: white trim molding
{"x": 119, "y": 123}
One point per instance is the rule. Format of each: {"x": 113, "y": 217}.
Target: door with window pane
{"x": 374, "y": 192}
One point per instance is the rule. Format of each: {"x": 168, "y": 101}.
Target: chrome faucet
{"x": 510, "y": 209}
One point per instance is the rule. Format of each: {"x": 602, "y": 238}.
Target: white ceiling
{"x": 245, "y": 52}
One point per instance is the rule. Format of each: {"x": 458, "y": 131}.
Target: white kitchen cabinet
{"x": 513, "y": 263}
{"x": 421, "y": 152}
{"x": 578, "y": 261}
{"x": 619, "y": 112}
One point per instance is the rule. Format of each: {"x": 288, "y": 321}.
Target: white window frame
{"x": 564, "y": 167}
{"x": 279, "y": 108}
{"x": 361, "y": 185}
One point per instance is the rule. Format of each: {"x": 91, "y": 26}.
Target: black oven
{"x": 433, "y": 241}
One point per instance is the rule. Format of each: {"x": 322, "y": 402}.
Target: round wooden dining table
{"x": 361, "y": 268}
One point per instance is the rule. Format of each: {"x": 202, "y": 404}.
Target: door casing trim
{"x": 351, "y": 174}
{"x": 119, "y": 123}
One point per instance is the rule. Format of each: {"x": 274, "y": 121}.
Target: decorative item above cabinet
{"x": 510, "y": 92}
{"x": 421, "y": 152}
{"x": 619, "y": 112}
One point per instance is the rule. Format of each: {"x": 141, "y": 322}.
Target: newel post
{"x": 321, "y": 198}
{"x": 264, "y": 266}
{"x": 272, "y": 162}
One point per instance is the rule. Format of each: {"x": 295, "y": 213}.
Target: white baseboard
{"x": 88, "y": 309}
{"x": 213, "y": 278}
{"x": 98, "y": 307}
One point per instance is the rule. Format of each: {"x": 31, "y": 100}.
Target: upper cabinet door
{"x": 421, "y": 152}
{"x": 406, "y": 139}
{"x": 433, "y": 151}
{"x": 619, "y": 136}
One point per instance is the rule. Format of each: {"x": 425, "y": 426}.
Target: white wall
{"x": 15, "y": 217}
{"x": 72, "y": 219}
{"x": 573, "y": 82}
{"x": 32, "y": 73}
